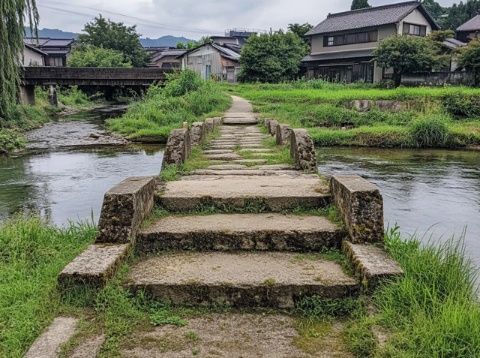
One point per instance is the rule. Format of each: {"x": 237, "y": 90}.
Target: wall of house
{"x": 415, "y": 17}
{"x": 383, "y": 32}
{"x": 32, "y": 58}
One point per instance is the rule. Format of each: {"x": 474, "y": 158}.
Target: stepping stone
{"x": 251, "y": 161}
{"x": 222, "y": 146}
{"x": 223, "y": 232}
{"x": 50, "y": 342}
{"x": 256, "y": 150}
{"x": 230, "y": 156}
{"x": 274, "y": 193}
{"x": 252, "y": 146}
{"x": 276, "y": 167}
{"x": 230, "y": 120}
{"x": 226, "y": 167}
{"x": 266, "y": 279}
{"x": 218, "y": 151}
{"x": 94, "y": 266}
{"x": 247, "y": 171}
{"x": 372, "y": 263}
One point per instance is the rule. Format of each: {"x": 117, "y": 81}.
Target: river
{"x": 433, "y": 194}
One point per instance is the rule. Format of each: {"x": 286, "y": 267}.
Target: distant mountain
{"x": 164, "y": 41}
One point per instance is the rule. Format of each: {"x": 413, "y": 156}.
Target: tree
{"x": 272, "y": 57}
{"x": 300, "y": 29}
{"x": 192, "y": 44}
{"x": 406, "y": 54}
{"x": 11, "y": 44}
{"x": 434, "y": 9}
{"x": 359, "y": 4}
{"x": 91, "y": 56}
{"x": 469, "y": 58}
{"x": 107, "y": 34}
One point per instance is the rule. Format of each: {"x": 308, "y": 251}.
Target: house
{"x": 168, "y": 58}
{"x": 32, "y": 56}
{"x": 219, "y": 59}
{"x": 342, "y": 45}
{"x": 56, "y": 50}
{"x": 469, "y": 30}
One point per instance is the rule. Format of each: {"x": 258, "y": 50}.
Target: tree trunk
{"x": 397, "y": 78}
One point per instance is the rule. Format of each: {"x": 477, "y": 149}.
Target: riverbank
{"x": 27, "y": 118}
{"x": 362, "y": 115}
{"x": 185, "y": 98}
{"x": 431, "y": 311}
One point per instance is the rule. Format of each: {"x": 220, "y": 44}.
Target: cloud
{"x": 192, "y": 18}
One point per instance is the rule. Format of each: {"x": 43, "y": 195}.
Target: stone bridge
{"x": 102, "y": 78}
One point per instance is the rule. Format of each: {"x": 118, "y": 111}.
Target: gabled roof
{"x": 370, "y": 17}
{"x": 35, "y": 49}
{"x": 45, "y": 42}
{"x": 453, "y": 44}
{"x": 471, "y": 25}
{"x": 223, "y": 50}
{"x": 168, "y": 52}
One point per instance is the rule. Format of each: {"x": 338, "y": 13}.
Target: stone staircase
{"x": 243, "y": 231}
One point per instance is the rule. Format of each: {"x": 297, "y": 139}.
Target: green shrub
{"x": 181, "y": 83}
{"x": 430, "y": 131}
{"x": 73, "y": 97}
{"x": 462, "y": 106}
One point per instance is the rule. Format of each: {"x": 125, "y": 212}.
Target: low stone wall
{"x": 283, "y": 134}
{"x": 361, "y": 207}
{"x": 178, "y": 147}
{"x": 197, "y": 133}
{"x": 302, "y": 150}
{"x": 365, "y": 105}
{"x": 125, "y": 206}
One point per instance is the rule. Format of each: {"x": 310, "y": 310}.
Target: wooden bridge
{"x": 102, "y": 78}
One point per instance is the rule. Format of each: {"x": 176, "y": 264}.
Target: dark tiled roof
{"x": 169, "y": 52}
{"x": 369, "y": 17}
{"x": 338, "y": 55}
{"x": 453, "y": 44}
{"x": 471, "y": 25}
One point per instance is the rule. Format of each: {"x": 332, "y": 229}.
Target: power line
{"x": 144, "y": 22}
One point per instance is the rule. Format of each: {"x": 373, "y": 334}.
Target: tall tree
{"x": 359, "y": 4}
{"x": 300, "y": 29}
{"x": 104, "y": 33}
{"x": 272, "y": 57}
{"x": 12, "y": 15}
{"x": 469, "y": 58}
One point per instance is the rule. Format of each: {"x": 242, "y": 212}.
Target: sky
{"x": 193, "y": 18}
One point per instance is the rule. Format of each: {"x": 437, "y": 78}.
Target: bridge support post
{"x": 52, "y": 95}
{"x": 27, "y": 94}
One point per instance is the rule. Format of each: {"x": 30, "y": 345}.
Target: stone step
{"x": 236, "y": 121}
{"x": 218, "y": 151}
{"x": 246, "y": 171}
{"x": 250, "y": 161}
{"x": 228, "y": 156}
{"x": 266, "y": 279}
{"x": 226, "y": 167}
{"x": 224, "y": 232}
{"x": 272, "y": 193}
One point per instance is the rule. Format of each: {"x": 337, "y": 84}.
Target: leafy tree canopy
{"x": 192, "y": 44}
{"x": 116, "y": 36}
{"x": 454, "y": 16}
{"x": 469, "y": 58}
{"x": 300, "y": 29}
{"x": 272, "y": 57}
{"x": 359, "y": 4}
{"x": 12, "y": 17}
{"x": 406, "y": 54}
{"x": 91, "y": 56}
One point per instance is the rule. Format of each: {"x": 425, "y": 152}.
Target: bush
{"x": 462, "y": 106}
{"x": 180, "y": 83}
{"x": 91, "y": 56}
{"x": 430, "y": 131}
{"x": 73, "y": 97}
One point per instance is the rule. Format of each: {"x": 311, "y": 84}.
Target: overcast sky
{"x": 192, "y": 18}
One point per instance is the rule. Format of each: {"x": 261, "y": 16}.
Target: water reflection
{"x": 434, "y": 193}
{"x": 65, "y": 186}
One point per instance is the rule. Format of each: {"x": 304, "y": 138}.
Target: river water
{"x": 433, "y": 194}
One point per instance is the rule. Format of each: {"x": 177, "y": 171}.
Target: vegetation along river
{"x": 434, "y": 194}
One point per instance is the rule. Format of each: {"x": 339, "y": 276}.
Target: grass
{"x": 185, "y": 98}
{"x": 324, "y": 109}
{"x": 27, "y": 117}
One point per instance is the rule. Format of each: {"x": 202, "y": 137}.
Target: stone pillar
{"x": 217, "y": 121}
{"x": 27, "y": 94}
{"x": 361, "y": 206}
{"x": 272, "y": 127}
{"x": 283, "y": 134}
{"x": 209, "y": 125}
{"x": 52, "y": 95}
{"x": 266, "y": 123}
{"x": 302, "y": 150}
{"x": 197, "y": 133}
{"x": 178, "y": 147}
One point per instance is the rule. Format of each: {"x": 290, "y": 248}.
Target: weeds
{"x": 430, "y": 131}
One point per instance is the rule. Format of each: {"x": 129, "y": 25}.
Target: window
{"x": 350, "y": 38}
{"x": 415, "y": 30}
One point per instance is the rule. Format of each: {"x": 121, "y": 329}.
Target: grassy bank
{"x": 429, "y": 116}
{"x": 26, "y": 117}
{"x": 185, "y": 98}
{"x": 431, "y": 312}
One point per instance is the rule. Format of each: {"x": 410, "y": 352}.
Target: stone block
{"x": 302, "y": 150}
{"x": 361, "y": 105}
{"x": 266, "y": 123}
{"x": 372, "y": 263}
{"x": 391, "y": 106}
{"x": 217, "y": 121}
{"x": 125, "y": 206}
{"x": 93, "y": 267}
{"x": 209, "y": 125}
{"x": 272, "y": 128}
{"x": 197, "y": 133}
{"x": 283, "y": 134}
{"x": 361, "y": 207}
{"x": 178, "y": 147}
